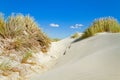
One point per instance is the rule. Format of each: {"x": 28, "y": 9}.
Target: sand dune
{"x": 94, "y": 58}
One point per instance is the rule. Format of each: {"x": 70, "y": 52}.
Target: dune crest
{"x": 94, "y": 58}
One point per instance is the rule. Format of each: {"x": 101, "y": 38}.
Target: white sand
{"x": 56, "y": 50}
{"x": 95, "y": 58}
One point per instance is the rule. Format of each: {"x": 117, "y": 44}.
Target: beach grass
{"x": 5, "y": 65}
{"x": 105, "y": 24}
{"x": 55, "y": 39}
{"x": 76, "y": 35}
{"x": 23, "y": 31}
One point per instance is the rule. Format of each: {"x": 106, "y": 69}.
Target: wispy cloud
{"x": 54, "y": 25}
{"x": 76, "y": 26}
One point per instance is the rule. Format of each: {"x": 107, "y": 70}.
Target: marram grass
{"x": 106, "y": 24}
{"x": 22, "y": 33}
{"x": 76, "y": 35}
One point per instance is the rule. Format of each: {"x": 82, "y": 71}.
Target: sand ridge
{"x": 95, "y": 58}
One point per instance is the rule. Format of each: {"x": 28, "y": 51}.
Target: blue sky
{"x": 61, "y": 18}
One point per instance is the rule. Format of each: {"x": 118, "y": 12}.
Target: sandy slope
{"x": 95, "y": 58}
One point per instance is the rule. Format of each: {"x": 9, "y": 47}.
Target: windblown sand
{"x": 94, "y": 58}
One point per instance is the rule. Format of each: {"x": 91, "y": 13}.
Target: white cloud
{"x": 76, "y": 26}
{"x": 54, "y": 25}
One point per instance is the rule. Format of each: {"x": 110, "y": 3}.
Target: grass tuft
{"x": 76, "y": 35}
{"x": 107, "y": 24}
{"x": 26, "y": 56}
{"x": 5, "y": 66}
{"x": 55, "y": 39}
{"x": 24, "y": 32}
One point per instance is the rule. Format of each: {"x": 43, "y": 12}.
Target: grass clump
{"x": 26, "y": 56}
{"x": 22, "y": 32}
{"x": 107, "y": 24}
{"x": 55, "y": 39}
{"x": 5, "y": 66}
{"x": 3, "y": 28}
{"x": 76, "y": 35}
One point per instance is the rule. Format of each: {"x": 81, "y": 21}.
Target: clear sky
{"x": 61, "y": 18}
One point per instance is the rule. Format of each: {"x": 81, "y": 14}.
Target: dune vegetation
{"x": 20, "y": 39}
{"x": 76, "y": 35}
{"x": 22, "y": 32}
{"x": 55, "y": 39}
{"x": 105, "y": 24}
{"x": 23, "y": 44}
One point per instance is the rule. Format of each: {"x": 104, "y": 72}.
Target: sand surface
{"x": 94, "y": 58}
